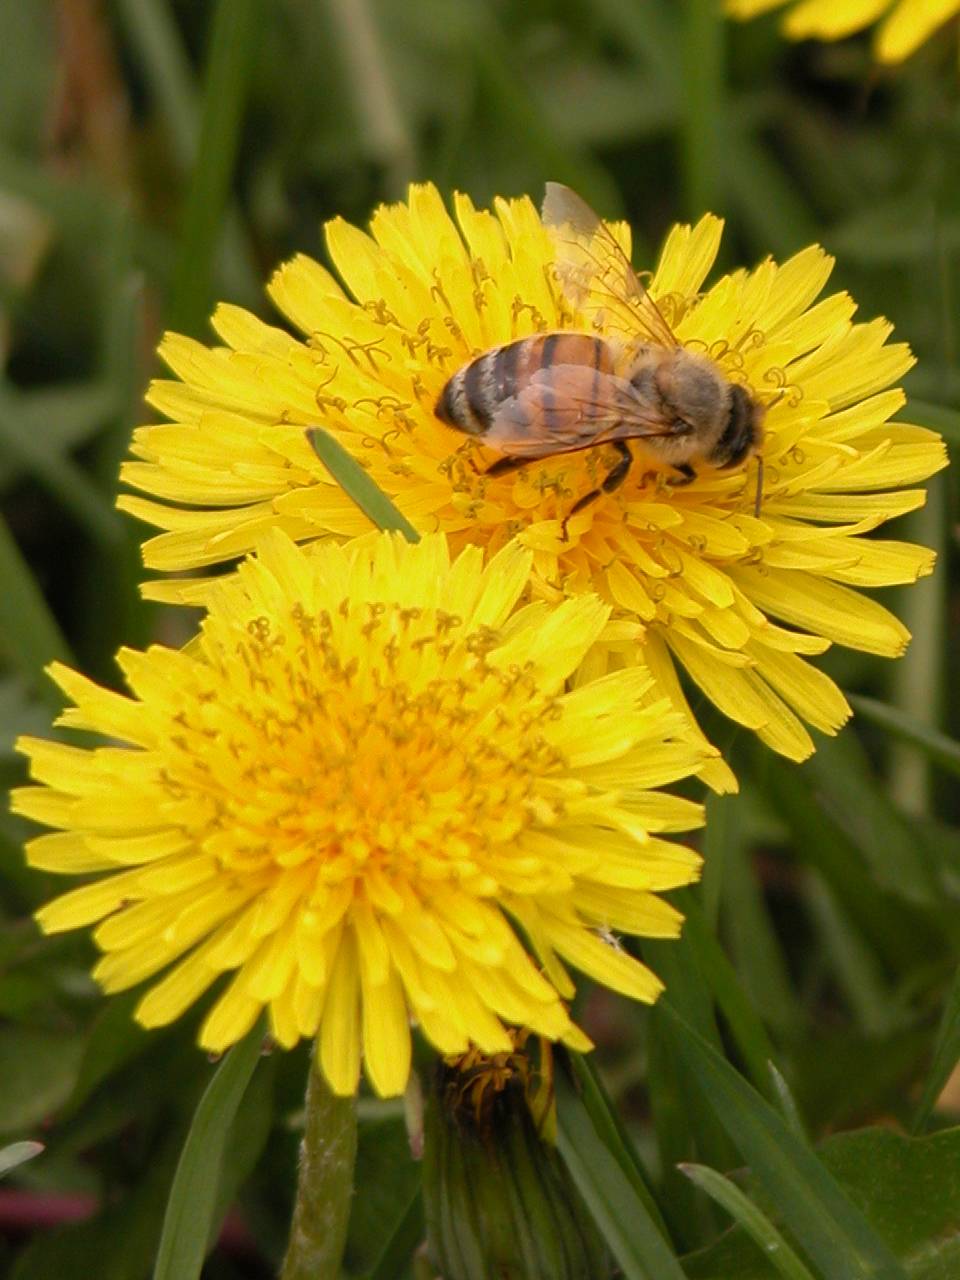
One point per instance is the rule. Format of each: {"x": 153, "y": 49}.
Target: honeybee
{"x": 558, "y": 393}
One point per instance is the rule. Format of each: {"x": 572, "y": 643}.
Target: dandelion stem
{"x": 324, "y": 1184}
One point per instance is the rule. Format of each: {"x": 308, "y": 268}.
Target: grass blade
{"x": 702, "y": 107}
{"x": 939, "y": 417}
{"x": 935, "y": 745}
{"x": 30, "y": 637}
{"x": 607, "y": 1126}
{"x": 829, "y": 1227}
{"x": 684, "y": 1124}
{"x": 788, "y": 1103}
{"x": 356, "y": 484}
{"x": 156, "y": 44}
{"x": 845, "y": 785}
{"x": 896, "y": 930}
{"x": 631, "y": 1234}
{"x": 917, "y": 684}
{"x": 188, "y": 1220}
{"x": 746, "y": 1027}
{"x": 405, "y": 1237}
{"x": 153, "y": 34}
{"x": 232, "y": 44}
{"x": 756, "y": 950}
{"x": 65, "y": 482}
{"x": 946, "y": 1054}
{"x": 756, "y": 1224}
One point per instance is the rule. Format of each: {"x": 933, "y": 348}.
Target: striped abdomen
{"x": 471, "y": 399}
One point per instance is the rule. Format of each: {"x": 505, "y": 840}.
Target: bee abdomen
{"x": 471, "y": 397}
{"x": 474, "y": 395}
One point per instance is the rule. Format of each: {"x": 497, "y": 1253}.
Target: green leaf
{"x": 66, "y": 483}
{"x": 189, "y": 1218}
{"x": 788, "y": 1103}
{"x": 747, "y": 927}
{"x": 937, "y": 416}
{"x": 754, "y": 1222}
{"x": 936, "y": 746}
{"x": 899, "y": 933}
{"x": 114, "y": 1039}
{"x": 856, "y": 966}
{"x": 38, "y": 1069}
{"x": 748, "y": 1031}
{"x": 357, "y": 484}
{"x": 846, "y": 786}
{"x": 17, "y": 1153}
{"x": 30, "y": 637}
{"x": 402, "y": 1241}
{"x": 20, "y": 712}
{"x": 609, "y": 1129}
{"x": 946, "y": 1054}
{"x": 157, "y": 45}
{"x": 388, "y": 1205}
{"x": 64, "y": 415}
{"x": 829, "y": 1227}
{"x": 702, "y": 106}
{"x": 908, "y": 1188}
{"x": 840, "y": 1073}
{"x": 632, "y": 1236}
{"x": 233, "y": 43}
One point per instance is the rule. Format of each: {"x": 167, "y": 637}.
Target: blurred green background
{"x": 159, "y": 155}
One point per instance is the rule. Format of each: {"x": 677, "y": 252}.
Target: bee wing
{"x": 595, "y": 273}
{"x": 559, "y": 411}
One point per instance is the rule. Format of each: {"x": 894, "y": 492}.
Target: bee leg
{"x": 686, "y": 474}
{"x": 612, "y": 481}
{"x": 503, "y": 466}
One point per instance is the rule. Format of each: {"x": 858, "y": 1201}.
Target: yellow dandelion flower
{"x": 710, "y": 580}
{"x": 907, "y": 25}
{"x": 355, "y": 791}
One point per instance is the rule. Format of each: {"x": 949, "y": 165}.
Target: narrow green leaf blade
{"x": 756, "y": 1224}
{"x": 399, "y": 1248}
{"x": 233, "y": 44}
{"x": 946, "y": 1054}
{"x": 632, "y": 1236}
{"x": 936, "y": 746}
{"x": 606, "y": 1124}
{"x": 829, "y": 1227}
{"x": 66, "y": 483}
{"x": 748, "y": 931}
{"x": 29, "y": 635}
{"x": 937, "y": 416}
{"x": 745, "y": 1025}
{"x": 702, "y": 113}
{"x": 193, "y": 1196}
{"x": 358, "y": 486}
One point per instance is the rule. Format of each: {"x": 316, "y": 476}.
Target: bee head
{"x": 741, "y": 433}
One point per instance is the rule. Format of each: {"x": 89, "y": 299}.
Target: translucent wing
{"x": 565, "y": 407}
{"x": 595, "y": 273}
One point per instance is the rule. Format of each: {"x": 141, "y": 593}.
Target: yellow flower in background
{"x": 352, "y": 792}
{"x": 709, "y": 580}
{"x": 907, "y": 24}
